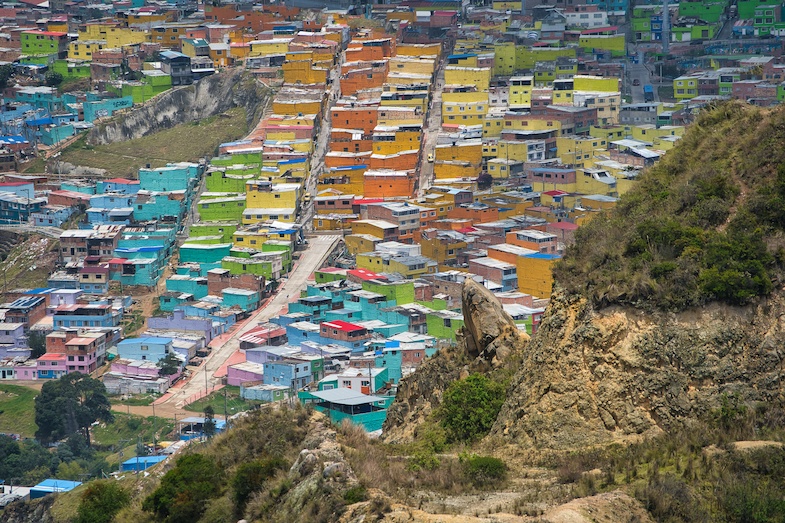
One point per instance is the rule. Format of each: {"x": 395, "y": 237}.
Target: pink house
{"x": 52, "y": 366}
{"x": 244, "y": 372}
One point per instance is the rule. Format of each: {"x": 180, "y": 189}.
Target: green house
{"x": 400, "y": 292}
{"x": 221, "y": 209}
{"x": 223, "y": 229}
{"x": 329, "y": 274}
{"x": 72, "y": 68}
{"x": 444, "y": 324}
{"x": 267, "y": 264}
{"x": 221, "y": 181}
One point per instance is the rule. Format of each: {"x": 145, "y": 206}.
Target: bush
{"x": 470, "y": 407}
{"x": 184, "y": 491}
{"x": 355, "y": 495}
{"x": 101, "y": 501}
{"x": 251, "y": 477}
{"x": 482, "y": 470}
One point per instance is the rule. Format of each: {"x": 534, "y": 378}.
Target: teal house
{"x": 200, "y": 253}
{"x": 244, "y": 299}
{"x": 366, "y": 411}
{"x": 197, "y": 287}
{"x": 173, "y": 177}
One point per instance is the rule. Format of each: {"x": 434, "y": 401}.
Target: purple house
{"x": 178, "y": 321}
{"x": 244, "y": 373}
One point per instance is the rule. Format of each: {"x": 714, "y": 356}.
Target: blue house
{"x": 339, "y": 404}
{"x": 52, "y": 486}
{"x": 192, "y": 427}
{"x": 300, "y": 331}
{"x": 149, "y": 348}
{"x": 287, "y": 373}
{"x": 118, "y": 185}
{"x": 315, "y": 306}
{"x": 52, "y": 215}
{"x": 173, "y": 177}
{"x": 140, "y": 463}
{"x": 86, "y": 315}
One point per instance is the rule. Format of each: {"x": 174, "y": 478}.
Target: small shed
{"x": 52, "y": 486}
{"x": 141, "y": 463}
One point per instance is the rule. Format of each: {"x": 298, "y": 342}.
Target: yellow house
{"x": 464, "y": 108}
{"x": 527, "y": 57}
{"x": 381, "y": 229}
{"x": 521, "y": 91}
{"x": 252, "y": 215}
{"x": 358, "y": 243}
{"x": 503, "y": 58}
{"x": 535, "y": 123}
{"x": 477, "y": 76}
{"x": 264, "y": 194}
{"x": 608, "y": 105}
{"x": 653, "y": 134}
{"x": 301, "y": 70}
{"x": 113, "y": 36}
{"x": 462, "y": 151}
{"x": 507, "y": 5}
{"x": 608, "y": 133}
{"x": 297, "y": 107}
{"x": 84, "y": 49}
{"x": 535, "y": 274}
{"x": 414, "y": 65}
{"x": 418, "y": 50}
{"x": 406, "y": 266}
{"x": 396, "y": 138}
{"x": 613, "y": 43}
{"x": 274, "y": 46}
{"x": 441, "y": 247}
{"x": 455, "y": 169}
{"x": 398, "y": 115}
{"x": 494, "y": 122}
{"x": 595, "y": 181}
{"x": 583, "y": 82}
{"x": 579, "y": 150}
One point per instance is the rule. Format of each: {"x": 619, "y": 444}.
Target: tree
{"x": 209, "y": 421}
{"x": 37, "y": 342}
{"x": 101, "y": 501}
{"x": 470, "y": 407}
{"x": 184, "y": 490}
{"x": 53, "y": 79}
{"x": 6, "y": 72}
{"x": 69, "y": 406}
{"x": 168, "y": 365}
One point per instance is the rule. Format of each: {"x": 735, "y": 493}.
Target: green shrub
{"x": 355, "y": 495}
{"x": 185, "y": 490}
{"x": 100, "y": 501}
{"x": 482, "y": 470}
{"x": 423, "y": 459}
{"x": 470, "y": 407}
{"x": 251, "y": 477}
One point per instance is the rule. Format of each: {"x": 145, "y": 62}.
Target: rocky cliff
{"x": 599, "y": 375}
{"x": 208, "y": 97}
{"x": 488, "y": 340}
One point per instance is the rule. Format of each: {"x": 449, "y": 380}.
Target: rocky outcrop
{"x": 595, "y": 376}
{"x": 487, "y": 341}
{"x": 612, "y": 506}
{"x": 37, "y": 511}
{"x": 210, "y": 96}
{"x": 490, "y": 334}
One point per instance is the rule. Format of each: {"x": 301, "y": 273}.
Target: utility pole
{"x": 226, "y": 411}
{"x": 155, "y": 444}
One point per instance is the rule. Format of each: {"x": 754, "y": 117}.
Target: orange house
{"x": 387, "y": 183}
{"x": 402, "y": 161}
{"x": 363, "y": 118}
{"x": 349, "y": 140}
{"x": 339, "y": 158}
{"x": 476, "y": 215}
{"x": 370, "y": 50}
{"x": 366, "y": 75}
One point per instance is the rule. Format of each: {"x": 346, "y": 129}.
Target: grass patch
{"x": 17, "y": 405}
{"x": 128, "y": 428}
{"x": 234, "y": 403}
{"x": 185, "y": 142}
{"x": 29, "y": 264}
{"x": 134, "y": 400}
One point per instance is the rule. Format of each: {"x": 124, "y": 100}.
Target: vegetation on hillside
{"x": 706, "y": 223}
{"x": 703, "y": 471}
{"x": 182, "y": 143}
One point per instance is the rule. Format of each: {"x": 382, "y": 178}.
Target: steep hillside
{"x": 669, "y": 303}
{"x": 210, "y": 96}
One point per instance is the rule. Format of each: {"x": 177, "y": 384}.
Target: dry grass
{"x": 185, "y": 142}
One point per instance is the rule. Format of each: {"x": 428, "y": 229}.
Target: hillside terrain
{"x": 652, "y": 390}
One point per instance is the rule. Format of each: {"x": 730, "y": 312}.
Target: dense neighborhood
{"x": 405, "y": 148}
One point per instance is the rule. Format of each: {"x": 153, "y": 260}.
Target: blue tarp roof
{"x": 151, "y": 248}
{"x": 144, "y": 459}
{"x": 40, "y": 121}
{"x": 13, "y": 139}
{"x": 57, "y": 485}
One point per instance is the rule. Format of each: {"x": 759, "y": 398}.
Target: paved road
{"x": 432, "y": 126}
{"x": 322, "y": 143}
{"x": 52, "y": 232}
{"x": 640, "y": 72}
{"x": 310, "y": 260}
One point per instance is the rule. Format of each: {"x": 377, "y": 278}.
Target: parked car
{"x": 636, "y": 82}
{"x": 430, "y": 157}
